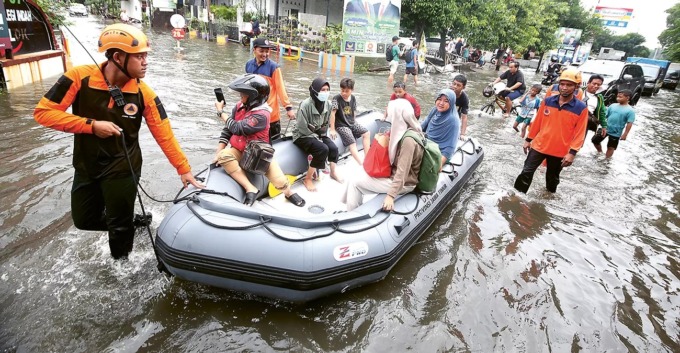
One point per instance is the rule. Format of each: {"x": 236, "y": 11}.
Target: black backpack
{"x": 388, "y": 53}
{"x": 409, "y": 56}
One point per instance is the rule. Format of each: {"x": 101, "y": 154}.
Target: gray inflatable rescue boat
{"x": 278, "y": 250}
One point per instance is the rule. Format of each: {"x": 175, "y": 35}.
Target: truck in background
{"x": 611, "y": 54}
{"x": 653, "y": 78}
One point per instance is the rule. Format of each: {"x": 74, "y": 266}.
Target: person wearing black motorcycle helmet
{"x": 552, "y": 72}
{"x": 248, "y": 121}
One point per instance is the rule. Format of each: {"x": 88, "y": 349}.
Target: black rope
{"x": 175, "y": 200}
{"x": 263, "y": 220}
{"x": 161, "y": 266}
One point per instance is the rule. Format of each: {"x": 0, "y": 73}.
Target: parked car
{"x": 77, "y": 10}
{"x": 671, "y": 80}
{"x": 653, "y": 79}
{"x": 617, "y": 76}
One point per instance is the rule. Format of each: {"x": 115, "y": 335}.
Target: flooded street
{"x": 593, "y": 268}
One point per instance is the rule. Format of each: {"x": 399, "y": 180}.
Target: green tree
{"x": 631, "y": 43}
{"x": 670, "y": 37}
{"x": 55, "y": 11}
{"x": 104, "y": 7}
{"x": 486, "y": 23}
{"x": 224, "y": 12}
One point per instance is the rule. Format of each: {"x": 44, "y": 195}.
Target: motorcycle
{"x": 551, "y": 75}
{"x": 247, "y": 36}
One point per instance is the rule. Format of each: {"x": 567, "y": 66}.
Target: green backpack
{"x": 429, "y": 166}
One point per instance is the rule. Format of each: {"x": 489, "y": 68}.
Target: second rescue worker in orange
{"x": 262, "y": 65}
{"x": 556, "y": 135}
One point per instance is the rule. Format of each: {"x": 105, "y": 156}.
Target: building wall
{"x": 133, "y": 8}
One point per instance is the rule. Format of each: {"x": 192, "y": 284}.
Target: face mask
{"x": 323, "y": 96}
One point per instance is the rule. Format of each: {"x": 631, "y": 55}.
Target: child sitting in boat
{"x": 249, "y": 120}
{"x": 400, "y": 92}
{"x": 343, "y": 120}
{"x": 405, "y": 157}
{"x": 309, "y": 132}
{"x": 442, "y": 125}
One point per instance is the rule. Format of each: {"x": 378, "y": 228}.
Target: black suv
{"x": 618, "y": 76}
{"x": 671, "y": 80}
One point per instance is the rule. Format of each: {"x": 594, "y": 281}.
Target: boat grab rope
{"x": 335, "y": 226}
{"x": 463, "y": 152}
{"x": 263, "y": 220}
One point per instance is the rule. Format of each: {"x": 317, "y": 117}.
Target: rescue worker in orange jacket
{"x": 261, "y": 64}
{"x": 557, "y": 134}
{"x": 104, "y": 190}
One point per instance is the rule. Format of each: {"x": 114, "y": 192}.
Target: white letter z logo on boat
{"x": 350, "y": 251}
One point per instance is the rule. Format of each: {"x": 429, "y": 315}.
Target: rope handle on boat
{"x": 335, "y": 226}
{"x": 462, "y": 152}
{"x": 263, "y": 220}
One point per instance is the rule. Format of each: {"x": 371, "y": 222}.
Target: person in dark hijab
{"x": 309, "y": 133}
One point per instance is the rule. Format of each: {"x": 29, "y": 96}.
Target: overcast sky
{"x": 649, "y": 17}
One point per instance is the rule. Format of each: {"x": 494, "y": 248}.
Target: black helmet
{"x": 553, "y": 58}
{"x": 255, "y": 86}
{"x": 488, "y": 91}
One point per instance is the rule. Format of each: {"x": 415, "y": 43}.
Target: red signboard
{"x": 5, "y": 41}
{"x": 178, "y": 33}
{"x": 28, "y": 28}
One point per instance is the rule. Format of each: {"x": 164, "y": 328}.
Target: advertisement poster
{"x": 369, "y": 25}
{"x": 5, "y": 41}
{"x": 582, "y": 53}
{"x": 613, "y": 16}
{"x": 569, "y": 38}
{"x": 27, "y": 29}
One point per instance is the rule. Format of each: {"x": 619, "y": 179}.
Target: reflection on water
{"x": 591, "y": 268}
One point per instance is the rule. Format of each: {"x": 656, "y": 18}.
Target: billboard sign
{"x": 369, "y": 25}
{"x": 5, "y": 41}
{"x": 569, "y": 38}
{"x": 27, "y": 27}
{"x": 614, "y": 16}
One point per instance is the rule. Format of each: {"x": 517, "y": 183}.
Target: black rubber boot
{"x": 142, "y": 220}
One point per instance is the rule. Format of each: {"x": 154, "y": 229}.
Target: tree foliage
{"x": 224, "y": 12}
{"x": 631, "y": 43}
{"x": 54, "y": 10}
{"x": 670, "y": 37}
{"x": 486, "y": 23}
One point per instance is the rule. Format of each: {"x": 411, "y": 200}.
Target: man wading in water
{"x": 104, "y": 191}
{"x": 556, "y": 135}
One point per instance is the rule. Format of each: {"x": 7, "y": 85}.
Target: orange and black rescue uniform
{"x": 555, "y": 131}
{"x": 103, "y": 192}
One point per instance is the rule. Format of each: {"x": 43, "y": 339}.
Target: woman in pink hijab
{"x": 405, "y": 158}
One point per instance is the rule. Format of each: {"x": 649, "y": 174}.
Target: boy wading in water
{"x": 529, "y": 104}
{"x": 620, "y": 118}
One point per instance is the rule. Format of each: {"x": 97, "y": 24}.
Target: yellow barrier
{"x": 336, "y": 62}
{"x": 193, "y": 34}
{"x": 222, "y": 39}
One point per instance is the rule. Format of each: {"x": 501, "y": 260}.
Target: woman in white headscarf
{"x": 405, "y": 157}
